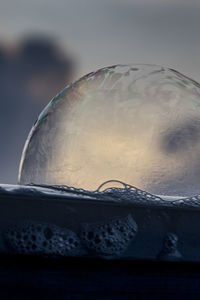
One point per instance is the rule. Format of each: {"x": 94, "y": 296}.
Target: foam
{"x": 42, "y": 238}
{"x": 111, "y": 238}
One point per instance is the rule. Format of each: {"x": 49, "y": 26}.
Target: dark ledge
{"x": 127, "y": 244}
{"x": 114, "y": 223}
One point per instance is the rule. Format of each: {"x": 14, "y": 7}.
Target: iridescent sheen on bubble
{"x": 139, "y": 124}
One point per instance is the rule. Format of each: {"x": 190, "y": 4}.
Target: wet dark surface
{"x": 28, "y": 277}
{"x": 154, "y": 266}
{"x": 158, "y": 228}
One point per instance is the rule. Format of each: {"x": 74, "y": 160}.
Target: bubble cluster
{"x": 170, "y": 248}
{"x": 39, "y": 238}
{"x": 109, "y": 238}
{"x": 128, "y": 193}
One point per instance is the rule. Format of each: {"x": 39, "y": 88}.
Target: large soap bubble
{"x": 139, "y": 124}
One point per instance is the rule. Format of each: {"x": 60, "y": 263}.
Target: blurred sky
{"x": 106, "y": 32}
{"x": 100, "y": 33}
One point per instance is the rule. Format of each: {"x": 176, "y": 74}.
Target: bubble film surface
{"x": 139, "y": 124}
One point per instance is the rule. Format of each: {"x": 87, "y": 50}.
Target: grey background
{"x": 98, "y": 33}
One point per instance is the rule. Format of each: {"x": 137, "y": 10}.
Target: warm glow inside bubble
{"x": 139, "y": 124}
